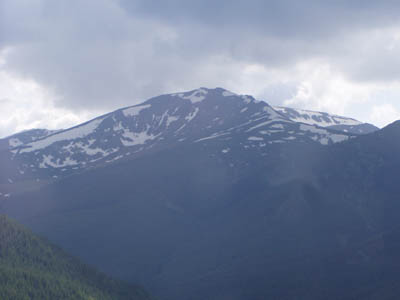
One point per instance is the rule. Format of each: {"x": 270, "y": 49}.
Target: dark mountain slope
{"x": 146, "y": 220}
{"x": 306, "y": 220}
{"x": 31, "y": 268}
{"x": 356, "y": 190}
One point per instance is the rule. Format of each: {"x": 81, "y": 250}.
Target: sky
{"x": 66, "y": 61}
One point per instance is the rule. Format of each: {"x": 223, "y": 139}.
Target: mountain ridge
{"x": 159, "y": 122}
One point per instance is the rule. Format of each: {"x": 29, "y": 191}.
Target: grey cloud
{"x": 276, "y": 94}
{"x": 282, "y": 18}
{"x": 106, "y": 54}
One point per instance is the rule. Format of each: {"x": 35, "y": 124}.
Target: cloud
{"x": 88, "y": 52}
{"x": 322, "y": 88}
{"x": 100, "y": 55}
{"x": 381, "y": 113}
{"x": 283, "y": 18}
{"x": 20, "y": 96}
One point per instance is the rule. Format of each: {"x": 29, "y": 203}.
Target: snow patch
{"x": 14, "y": 142}
{"x": 290, "y": 138}
{"x": 228, "y": 94}
{"x": 271, "y": 112}
{"x": 171, "y": 119}
{"x": 213, "y": 136}
{"x": 312, "y": 129}
{"x": 255, "y": 138}
{"x": 337, "y": 138}
{"x": 135, "y": 110}
{"x": 260, "y": 125}
{"x": 324, "y": 141}
{"x": 277, "y": 126}
{"x": 226, "y": 150}
{"x": 117, "y": 127}
{"x": 247, "y": 99}
{"x": 114, "y": 159}
{"x": 316, "y": 118}
{"x": 196, "y": 96}
{"x": 136, "y": 138}
{"x": 193, "y": 114}
{"x": 326, "y": 135}
{"x": 48, "y": 162}
{"x": 71, "y": 134}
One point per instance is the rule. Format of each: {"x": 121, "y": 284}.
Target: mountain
{"x": 31, "y": 268}
{"x": 326, "y": 120}
{"x": 237, "y": 202}
{"x": 162, "y": 122}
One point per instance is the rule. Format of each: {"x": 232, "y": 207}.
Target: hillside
{"x": 31, "y": 268}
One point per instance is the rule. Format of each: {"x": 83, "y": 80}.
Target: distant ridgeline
{"x": 31, "y": 268}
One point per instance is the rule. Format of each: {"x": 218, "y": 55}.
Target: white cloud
{"x": 383, "y": 114}
{"x": 24, "y": 104}
{"x": 323, "y": 88}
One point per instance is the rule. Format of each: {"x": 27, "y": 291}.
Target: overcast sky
{"x": 65, "y": 61}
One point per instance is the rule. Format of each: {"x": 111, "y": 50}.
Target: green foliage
{"x": 32, "y": 268}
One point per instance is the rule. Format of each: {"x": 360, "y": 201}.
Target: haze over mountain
{"x": 211, "y": 195}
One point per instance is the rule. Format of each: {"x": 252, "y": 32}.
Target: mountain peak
{"x": 197, "y": 96}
